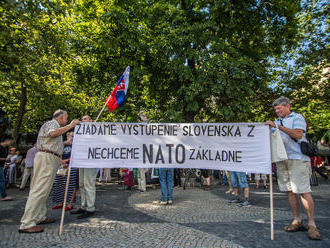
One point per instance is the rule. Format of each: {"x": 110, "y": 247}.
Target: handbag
{"x": 308, "y": 149}
{"x": 278, "y": 152}
{"x": 62, "y": 171}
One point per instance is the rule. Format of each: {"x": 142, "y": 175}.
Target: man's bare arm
{"x": 293, "y": 133}
{"x": 62, "y": 130}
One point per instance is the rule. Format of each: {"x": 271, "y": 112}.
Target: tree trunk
{"x": 21, "y": 111}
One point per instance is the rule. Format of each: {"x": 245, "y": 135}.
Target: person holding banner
{"x": 46, "y": 163}
{"x": 166, "y": 185}
{"x": 87, "y": 177}
{"x": 294, "y": 173}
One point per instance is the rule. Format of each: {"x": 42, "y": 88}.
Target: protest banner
{"x": 218, "y": 146}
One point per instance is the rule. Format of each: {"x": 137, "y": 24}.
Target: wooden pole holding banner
{"x": 271, "y": 195}
{"x": 64, "y": 201}
{"x": 271, "y": 207}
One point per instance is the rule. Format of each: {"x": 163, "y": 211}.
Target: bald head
{"x": 58, "y": 113}
{"x": 61, "y": 116}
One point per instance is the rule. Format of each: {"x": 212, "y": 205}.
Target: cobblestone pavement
{"x": 196, "y": 219}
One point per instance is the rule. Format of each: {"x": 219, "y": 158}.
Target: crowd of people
{"x": 46, "y": 165}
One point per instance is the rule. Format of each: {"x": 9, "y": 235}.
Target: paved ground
{"x": 196, "y": 219}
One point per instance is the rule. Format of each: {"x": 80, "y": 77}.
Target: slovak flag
{"x": 118, "y": 95}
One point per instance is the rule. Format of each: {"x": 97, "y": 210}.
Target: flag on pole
{"x": 118, "y": 95}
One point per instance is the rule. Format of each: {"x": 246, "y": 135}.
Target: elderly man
{"x": 46, "y": 163}
{"x": 87, "y": 177}
{"x": 294, "y": 173}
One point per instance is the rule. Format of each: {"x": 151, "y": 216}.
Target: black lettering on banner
{"x": 123, "y": 128}
{"x": 198, "y": 156}
{"x": 113, "y": 129}
{"x": 136, "y": 131}
{"x": 100, "y": 132}
{"x": 159, "y": 155}
{"x": 217, "y": 156}
{"x": 77, "y": 132}
{"x": 238, "y": 157}
{"x": 252, "y": 127}
{"x": 229, "y": 130}
{"x": 192, "y": 154}
{"x": 132, "y": 153}
{"x": 238, "y": 132}
{"x": 123, "y": 154}
{"x": 93, "y": 129}
{"x": 106, "y": 129}
{"x": 224, "y": 156}
{"x": 147, "y": 154}
{"x": 115, "y": 152}
{"x": 97, "y": 152}
{"x": 129, "y": 129}
{"x": 231, "y": 155}
{"x": 185, "y": 132}
{"x": 183, "y": 159}
{"x": 91, "y": 153}
{"x": 104, "y": 150}
{"x": 204, "y": 154}
{"x": 88, "y": 131}
{"x": 169, "y": 152}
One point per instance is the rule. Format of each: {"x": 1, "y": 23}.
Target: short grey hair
{"x": 284, "y": 101}
{"x": 58, "y": 113}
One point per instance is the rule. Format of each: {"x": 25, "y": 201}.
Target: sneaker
{"x": 7, "y": 198}
{"x": 159, "y": 202}
{"x": 228, "y": 191}
{"x": 246, "y": 203}
{"x": 60, "y": 205}
{"x": 236, "y": 200}
{"x": 170, "y": 202}
{"x": 78, "y": 211}
{"x": 84, "y": 215}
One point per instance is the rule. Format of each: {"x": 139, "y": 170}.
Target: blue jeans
{"x": 2, "y": 183}
{"x": 166, "y": 183}
{"x": 238, "y": 179}
{"x": 224, "y": 178}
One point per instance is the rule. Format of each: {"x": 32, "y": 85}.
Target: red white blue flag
{"x": 118, "y": 95}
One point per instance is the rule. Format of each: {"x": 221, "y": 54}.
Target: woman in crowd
{"x": 257, "y": 178}
{"x": 11, "y": 167}
{"x": 61, "y": 178}
{"x": 128, "y": 178}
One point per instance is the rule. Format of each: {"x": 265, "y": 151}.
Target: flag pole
{"x": 64, "y": 201}
{"x": 102, "y": 109}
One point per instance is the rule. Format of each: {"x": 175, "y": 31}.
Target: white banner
{"x": 218, "y": 146}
